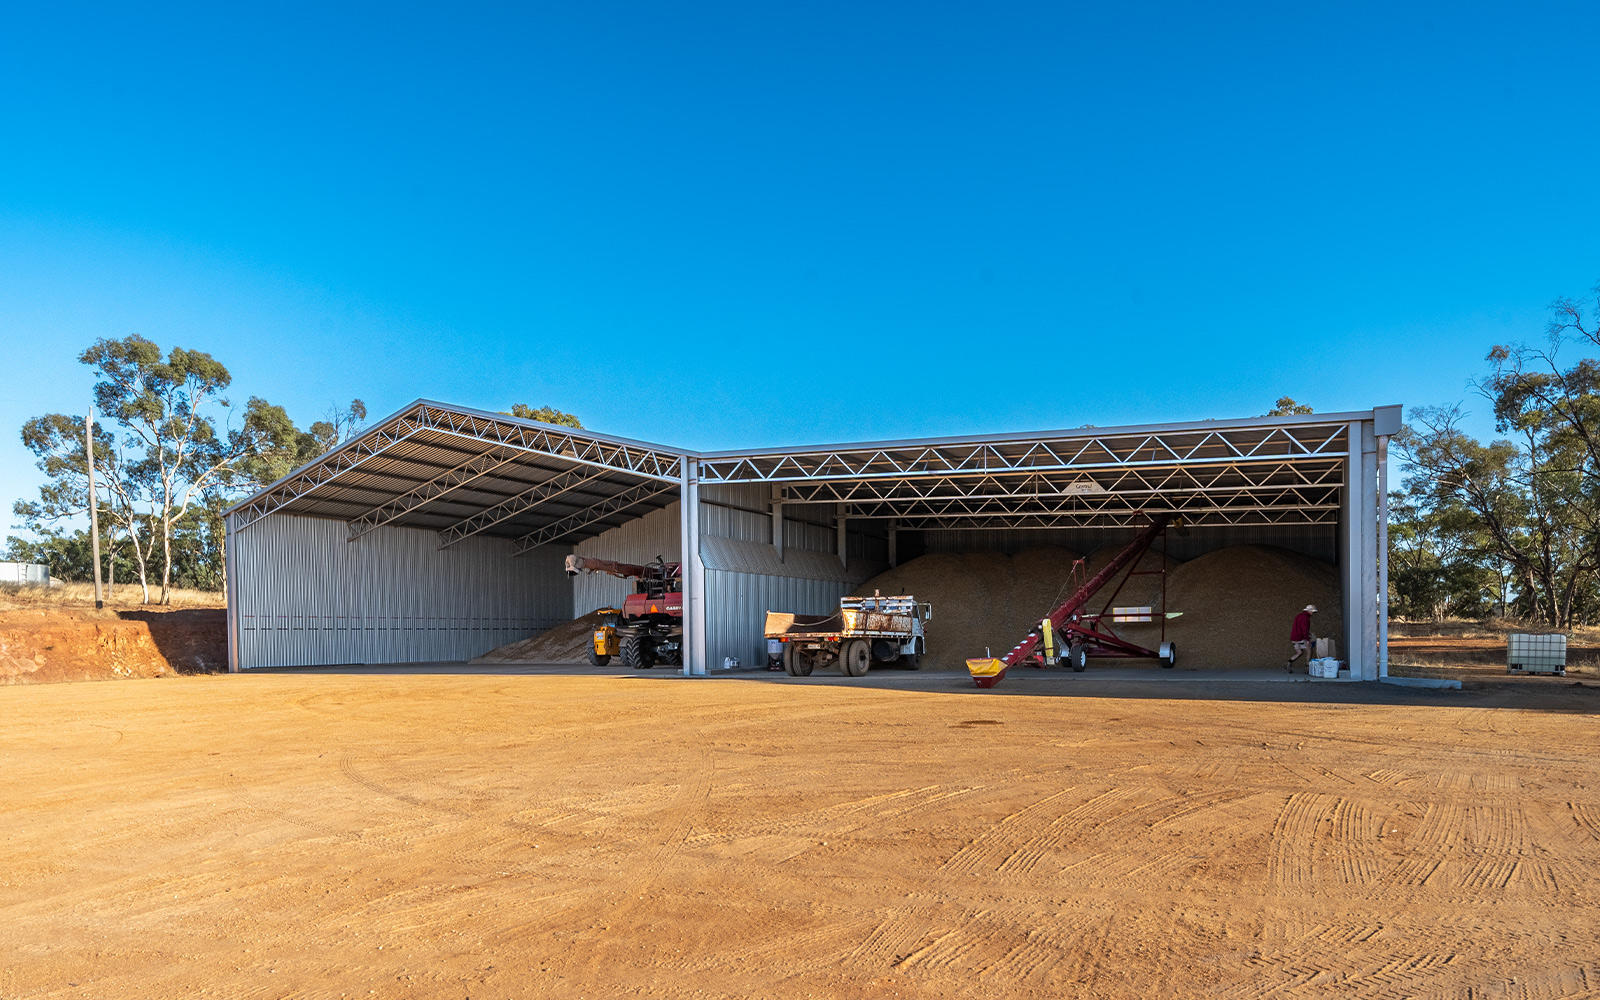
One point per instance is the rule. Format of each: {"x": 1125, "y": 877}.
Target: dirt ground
{"x": 492, "y": 835}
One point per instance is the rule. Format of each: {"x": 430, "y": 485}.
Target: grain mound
{"x": 566, "y": 643}
{"x": 980, "y": 599}
{"x": 1143, "y": 589}
{"x": 1238, "y": 604}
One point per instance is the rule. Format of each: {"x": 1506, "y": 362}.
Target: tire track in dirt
{"x": 837, "y": 820}
{"x": 1295, "y": 833}
{"x": 1587, "y": 818}
{"x": 1046, "y": 954}
{"x": 1441, "y": 831}
{"x": 1120, "y": 868}
{"x": 1356, "y": 831}
{"x": 821, "y": 945}
{"x": 990, "y": 848}
{"x": 242, "y": 794}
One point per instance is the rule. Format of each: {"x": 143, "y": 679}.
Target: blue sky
{"x": 726, "y": 225}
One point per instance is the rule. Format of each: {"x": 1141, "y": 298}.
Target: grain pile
{"x": 1237, "y": 602}
{"x": 566, "y": 643}
{"x": 980, "y": 599}
{"x": 1141, "y": 590}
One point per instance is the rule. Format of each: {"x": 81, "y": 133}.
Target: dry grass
{"x": 81, "y": 595}
{"x": 1487, "y": 628}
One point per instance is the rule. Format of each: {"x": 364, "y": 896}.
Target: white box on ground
{"x": 1536, "y": 654}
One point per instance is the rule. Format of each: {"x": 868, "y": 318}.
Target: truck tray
{"x": 781, "y": 624}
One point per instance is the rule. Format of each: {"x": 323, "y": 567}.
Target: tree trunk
{"x": 166, "y": 564}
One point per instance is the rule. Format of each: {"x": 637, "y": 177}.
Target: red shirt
{"x": 1301, "y": 631}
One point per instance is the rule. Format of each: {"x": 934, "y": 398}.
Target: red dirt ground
{"x": 518, "y": 834}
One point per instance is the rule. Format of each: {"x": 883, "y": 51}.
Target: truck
{"x": 864, "y": 631}
{"x": 648, "y": 628}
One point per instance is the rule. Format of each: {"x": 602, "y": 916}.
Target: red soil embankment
{"x": 42, "y": 645}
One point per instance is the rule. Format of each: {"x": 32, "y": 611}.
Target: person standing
{"x": 1300, "y": 638}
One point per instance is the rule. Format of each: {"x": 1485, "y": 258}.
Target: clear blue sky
{"x": 724, "y": 225}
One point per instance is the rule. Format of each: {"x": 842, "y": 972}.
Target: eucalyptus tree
{"x": 57, "y": 440}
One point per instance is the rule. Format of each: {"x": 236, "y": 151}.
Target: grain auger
{"x": 1069, "y": 634}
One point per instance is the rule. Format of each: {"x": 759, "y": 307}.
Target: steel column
{"x": 694, "y": 572}
{"x": 777, "y": 520}
{"x": 1369, "y": 571}
{"x": 1383, "y": 556}
{"x": 844, "y": 535}
{"x": 230, "y": 577}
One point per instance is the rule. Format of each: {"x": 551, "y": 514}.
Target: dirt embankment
{"x": 44, "y": 644}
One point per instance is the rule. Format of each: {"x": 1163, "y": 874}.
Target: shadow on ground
{"x": 1550, "y": 694}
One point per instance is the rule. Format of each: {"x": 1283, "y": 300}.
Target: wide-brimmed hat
{"x": 1311, "y": 607}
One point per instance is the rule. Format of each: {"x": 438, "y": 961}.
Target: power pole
{"x": 94, "y": 508}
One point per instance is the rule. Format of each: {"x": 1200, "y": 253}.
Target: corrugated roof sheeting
{"x": 419, "y": 460}
{"x": 304, "y": 594}
{"x": 505, "y": 458}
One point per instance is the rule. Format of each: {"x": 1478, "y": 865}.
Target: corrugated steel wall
{"x": 737, "y": 600}
{"x": 658, "y": 533}
{"x": 737, "y": 606}
{"x": 304, "y": 595}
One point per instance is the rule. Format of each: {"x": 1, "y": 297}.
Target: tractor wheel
{"x": 855, "y": 658}
{"x": 795, "y": 661}
{"x": 1169, "y": 654}
{"x": 638, "y": 653}
{"x": 1078, "y": 658}
{"x": 598, "y": 659}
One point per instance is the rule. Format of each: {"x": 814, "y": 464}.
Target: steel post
{"x": 694, "y": 572}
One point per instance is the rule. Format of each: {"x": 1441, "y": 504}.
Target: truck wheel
{"x": 795, "y": 661}
{"x": 598, "y": 659}
{"x": 912, "y": 661}
{"x": 638, "y": 653}
{"x": 1078, "y": 658}
{"x": 855, "y": 658}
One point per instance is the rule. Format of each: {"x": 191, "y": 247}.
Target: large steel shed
{"x": 439, "y": 533}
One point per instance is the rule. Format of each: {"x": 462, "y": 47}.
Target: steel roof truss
{"x": 419, "y": 497}
{"x": 520, "y": 504}
{"x": 1093, "y": 451}
{"x": 584, "y": 518}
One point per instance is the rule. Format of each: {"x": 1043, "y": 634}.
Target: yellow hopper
{"x": 986, "y": 672}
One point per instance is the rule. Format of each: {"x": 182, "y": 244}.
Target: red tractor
{"x": 650, "y": 629}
